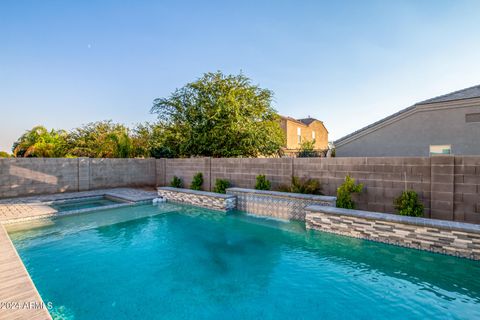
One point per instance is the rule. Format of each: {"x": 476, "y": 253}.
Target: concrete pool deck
{"x": 19, "y": 298}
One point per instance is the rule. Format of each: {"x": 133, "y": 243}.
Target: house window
{"x": 313, "y": 135}
{"x": 472, "y": 117}
{"x": 299, "y": 134}
{"x": 440, "y": 149}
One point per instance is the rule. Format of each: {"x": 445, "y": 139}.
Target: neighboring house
{"x": 301, "y": 130}
{"x": 448, "y": 124}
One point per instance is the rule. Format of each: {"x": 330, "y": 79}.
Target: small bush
{"x": 344, "y": 193}
{"x": 176, "y": 182}
{"x": 197, "y": 181}
{"x": 262, "y": 183}
{"x": 408, "y": 204}
{"x": 303, "y": 185}
{"x": 221, "y": 185}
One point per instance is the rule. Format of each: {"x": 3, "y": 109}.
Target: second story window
{"x": 299, "y": 135}
{"x": 313, "y": 135}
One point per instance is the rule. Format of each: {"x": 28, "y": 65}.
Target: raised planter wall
{"x": 447, "y": 237}
{"x": 210, "y": 200}
{"x": 281, "y": 205}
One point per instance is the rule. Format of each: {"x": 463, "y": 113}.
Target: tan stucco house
{"x": 300, "y": 130}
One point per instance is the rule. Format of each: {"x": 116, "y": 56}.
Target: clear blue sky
{"x": 348, "y": 63}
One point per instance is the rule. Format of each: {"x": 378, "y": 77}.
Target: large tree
{"x": 220, "y": 116}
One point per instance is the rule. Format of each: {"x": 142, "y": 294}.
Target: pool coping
{"x": 281, "y": 194}
{"x": 16, "y": 285}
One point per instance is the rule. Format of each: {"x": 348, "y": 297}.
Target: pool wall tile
{"x": 281, "y": 205}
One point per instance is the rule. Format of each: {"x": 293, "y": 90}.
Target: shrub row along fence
{"x": 448, "y": 186}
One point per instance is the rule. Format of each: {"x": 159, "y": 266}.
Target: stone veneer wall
{"x": 282, "y": 205}
{"x": 452, "y": 238}
{"x": 204, "y": 199}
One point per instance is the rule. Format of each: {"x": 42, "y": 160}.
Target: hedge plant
{"x": 344, "y": 193}
{"x": 408, "y": 204}
{"x": 221, "y": 185}
{"x": 176, "y": 182}
{"x": 197, "y": 181}
{"x": 262, "y": 183}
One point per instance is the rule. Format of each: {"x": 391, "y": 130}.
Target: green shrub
{"x": 344, "y": 193}
{"x": 176, "y": 182}
{"x": 303, "y": 185}
{"x": 262, "y": 183}
{"x": 3, "y": 154}
{"x": 307, "y": 149}
{"x": 306, "y": 185}
{"x": 221, "y": 185}
{"x": 197, "y": 181}
{"x": 408, "y": 204}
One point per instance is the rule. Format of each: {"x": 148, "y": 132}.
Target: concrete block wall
{"x": 31, "y": 176}
{"x": 186, "y": 169}
{"x": 466, "y": 194}
{"x": 110, "y": 173}
{"x": 27, "y": 176}
{"x": 384, "y": 179}
{"x": 448, "y": 186}
{"x": 242, "y": 172}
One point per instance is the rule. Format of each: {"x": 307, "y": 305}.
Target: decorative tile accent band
{"x": 210, "y": 200}
{"x": 447, "y": 237}
{"x": 282, "y": 205}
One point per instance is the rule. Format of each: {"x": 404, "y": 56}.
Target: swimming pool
{"x": 172, "y": 261}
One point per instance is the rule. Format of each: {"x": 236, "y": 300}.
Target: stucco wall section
{"x": 412, "y": 135}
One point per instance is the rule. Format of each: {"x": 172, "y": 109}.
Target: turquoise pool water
{"x": 170, "y": 261}
{"x": 82, "y": 203}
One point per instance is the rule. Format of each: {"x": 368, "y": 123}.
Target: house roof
{"x": 307, "y": 121}
{"x": 292, "y": 119}
{"x": 467, "y": 93}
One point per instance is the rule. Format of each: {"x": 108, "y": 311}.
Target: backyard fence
{"x": 448, "y": 186}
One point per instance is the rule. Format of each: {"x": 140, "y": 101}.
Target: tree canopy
{"x": 220, "y": 116}
{"x": 39, "y": 142}
{"x": 103, "y": 139}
